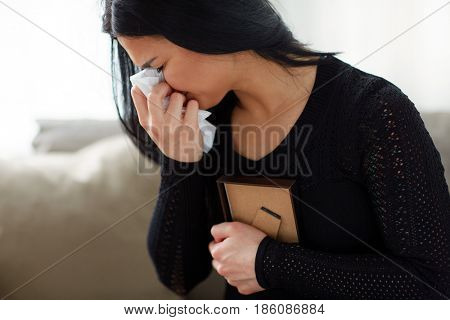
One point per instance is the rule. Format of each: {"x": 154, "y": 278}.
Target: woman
{"x": 374, "y": 204}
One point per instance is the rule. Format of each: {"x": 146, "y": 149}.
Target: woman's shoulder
{"x": 371, "y": 112}
{"x": 371, "y": 98}
{"x": 358, "y": 85}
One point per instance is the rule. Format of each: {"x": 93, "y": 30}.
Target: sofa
{"x": 74, "y": 218}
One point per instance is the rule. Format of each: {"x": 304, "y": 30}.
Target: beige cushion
{"x": 72, "y": 135}
{"x": 51, "y": 204}
{"x": 438, "y": 125}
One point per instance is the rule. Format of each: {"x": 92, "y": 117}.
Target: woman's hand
{"x": 178, "y": 136}
{"x": 234, "y": 251}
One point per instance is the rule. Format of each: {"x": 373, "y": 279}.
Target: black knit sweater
{"x": 373, "y": 203}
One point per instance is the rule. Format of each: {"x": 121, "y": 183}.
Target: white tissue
{"x": 148, "y": 78}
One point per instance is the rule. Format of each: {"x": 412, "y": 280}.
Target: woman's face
{"x": 205, "y": 78}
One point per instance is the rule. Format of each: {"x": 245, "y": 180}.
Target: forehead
{"x": 139, "y": 48}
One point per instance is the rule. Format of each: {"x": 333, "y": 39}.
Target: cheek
{"x": 179, "y": 78}
{"x": 203, "y": 84}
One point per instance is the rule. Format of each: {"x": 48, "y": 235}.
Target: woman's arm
{"x": 179, "y": 231}
{"x": 410, "y": 198}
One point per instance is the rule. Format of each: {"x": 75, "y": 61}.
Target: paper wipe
{"x": 148, "y": 78}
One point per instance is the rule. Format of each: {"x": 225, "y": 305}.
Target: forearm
{"x": 178, "y": 235}
{"x": 335, "y": 276}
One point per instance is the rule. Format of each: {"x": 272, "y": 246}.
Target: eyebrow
{"x": 148, "y": 63}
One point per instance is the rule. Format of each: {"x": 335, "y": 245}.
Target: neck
{"x": 264, "y": 88}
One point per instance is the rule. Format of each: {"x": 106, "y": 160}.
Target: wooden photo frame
{"x": 267, "y": 204}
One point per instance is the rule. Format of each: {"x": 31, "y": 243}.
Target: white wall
{"x": 40, "y": 77}
{"x": 417, "y": 62}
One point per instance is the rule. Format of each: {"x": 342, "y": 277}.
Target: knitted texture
{"x": 373, "y": 207}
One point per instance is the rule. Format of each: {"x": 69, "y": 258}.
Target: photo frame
{"x": 266, "y": 204}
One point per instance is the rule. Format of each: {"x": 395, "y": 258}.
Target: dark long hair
{"x": 203, "y": 26}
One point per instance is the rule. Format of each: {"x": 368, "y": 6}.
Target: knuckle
{"x": 144, "y": 124}
{"x": 176, "y": 96}
{"x": 173, "y": 120}
{"x": 171, "y": 127}
{"x": 220, "y": 270}
{"x": 193, "y": 104}
{"x": 234, "y": 226}
{"x": 134, "y": 90}
{"x": 172, "y": 132}
{"x": 153, "y": 131}
{"x": 243, "y": 291}
{"x": 225, "y": 270}
{"x": 152, "y": 100}
{"x": 214, "y": 253}
{"x": 136, "y": 93}
{"x": 160, "y": 88}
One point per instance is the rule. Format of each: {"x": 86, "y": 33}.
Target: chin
{"x": 203, "y": 105}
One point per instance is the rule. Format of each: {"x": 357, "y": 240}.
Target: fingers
{"x": 213, "y": 247}
{"x": 227, "y": 273}
{"x": 151, "y": 112}
{"x": 221, "y": 231}
{"x": 175, "y": 106}
{"x": 155, "y": 101}
{"x": 215, "y": 264}
{"x": 220, "y": 268}
{"x": 236, "y": 283}
{"x": 140, "y": 103}
{"x": 191, "y": 115}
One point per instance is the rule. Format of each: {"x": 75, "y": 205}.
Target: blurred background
{"x": 67, "y": 173}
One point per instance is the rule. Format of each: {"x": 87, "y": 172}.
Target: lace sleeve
{"x": 179, "y": 231}
{"x": 405, "y": 179}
